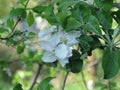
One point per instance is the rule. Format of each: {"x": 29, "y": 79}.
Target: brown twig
{"x": 36, "y": 76}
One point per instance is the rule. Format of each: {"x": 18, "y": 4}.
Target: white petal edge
{"x": 46, "y": 45}
{"x": 49, "y": 57}
{"x": 63, "y": 51}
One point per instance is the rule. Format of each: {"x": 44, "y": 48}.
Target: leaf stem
{"x": 83, "y": 79}
{"x": 65, "y": 79}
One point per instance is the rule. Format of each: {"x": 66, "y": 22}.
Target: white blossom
{"x": 57, "y": 43}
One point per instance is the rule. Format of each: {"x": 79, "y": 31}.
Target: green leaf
{"x": 81, "y": 12}
{"x": 18, "y": 87}
{"x": 104, "y": 4}
{"x": 30, "y": 18}
{"x": 45, "y": 84}
{"x": 93, "y": 25}
{"x": 39, "y": 9}
{"x": 18, "y": 12}
{"x": 76, "y": 13}
{"x": 110, "y": 63}
{"x": 75, "y": 63}
{"x": 20, "y": 49}
{"x": 72, "y": 23}
{"x": 105, "y": 19}
{"x": 65, "y": 4}
{"x": 84, "y": 8}
{"x": 10, "y": 22}
{"x": 62, "y": 16}
{"x": 31, "y": 53}
{"x": 3, "y": 30}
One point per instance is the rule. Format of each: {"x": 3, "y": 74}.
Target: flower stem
{"x": 65, "y": 79}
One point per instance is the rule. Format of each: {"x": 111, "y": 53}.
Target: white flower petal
{"x": 45, "y": 33}
{"x": 49, "y": 57}
{"x": 46, "y": 45}
{"x": 63, "y": 62}
{"x": 74, "y": 34}
{"x": 71, "y": 42}
{"x": 63, "y": 51}
{"x": 71, "y": 37}
{"x": 55, "y": 38}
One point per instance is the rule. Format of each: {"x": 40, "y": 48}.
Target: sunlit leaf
{"x": 30, "y": 18}
{"x": 10, "y": 22}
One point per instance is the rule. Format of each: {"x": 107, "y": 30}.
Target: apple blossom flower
{"x": 57, "y": 43}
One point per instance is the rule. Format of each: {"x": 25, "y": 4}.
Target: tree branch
{"x": 15, "y": 25}
{"x": 65, "y": 79}
{"x": 36, "y": 76}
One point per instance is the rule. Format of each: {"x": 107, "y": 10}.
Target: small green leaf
{"x": 110, "y": 63}
{"x": 3, "y": 30}
{"x": 104, "y": 4}
{"x": 18, "y": 12}
{"x": 18, "y": 87}
{"x": 31, "y": 53}
{"x": 45, "y": 84}
{"x": 20, "y": 49}
{"x": 65, "y": 4}
{"x": 10, "y": 22}
{"x": 75, "y": 63}
{"x": 39, "y": 9}
{"x": 30, "y": 18}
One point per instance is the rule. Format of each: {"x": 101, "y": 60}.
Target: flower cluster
{"x": 57, "y": 43}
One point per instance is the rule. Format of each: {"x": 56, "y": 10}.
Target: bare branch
{"x": 36, "y": 76}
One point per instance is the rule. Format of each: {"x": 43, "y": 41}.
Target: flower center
{"x": 63, "y": 40}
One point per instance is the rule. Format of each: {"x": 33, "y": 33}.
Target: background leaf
{"x": 18, "y": 87}
{"x": 75, "y": 63}
{"x": 110, "y": 63}
{"x": 45, "y": 84}
{"x": 20, "y": 49}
